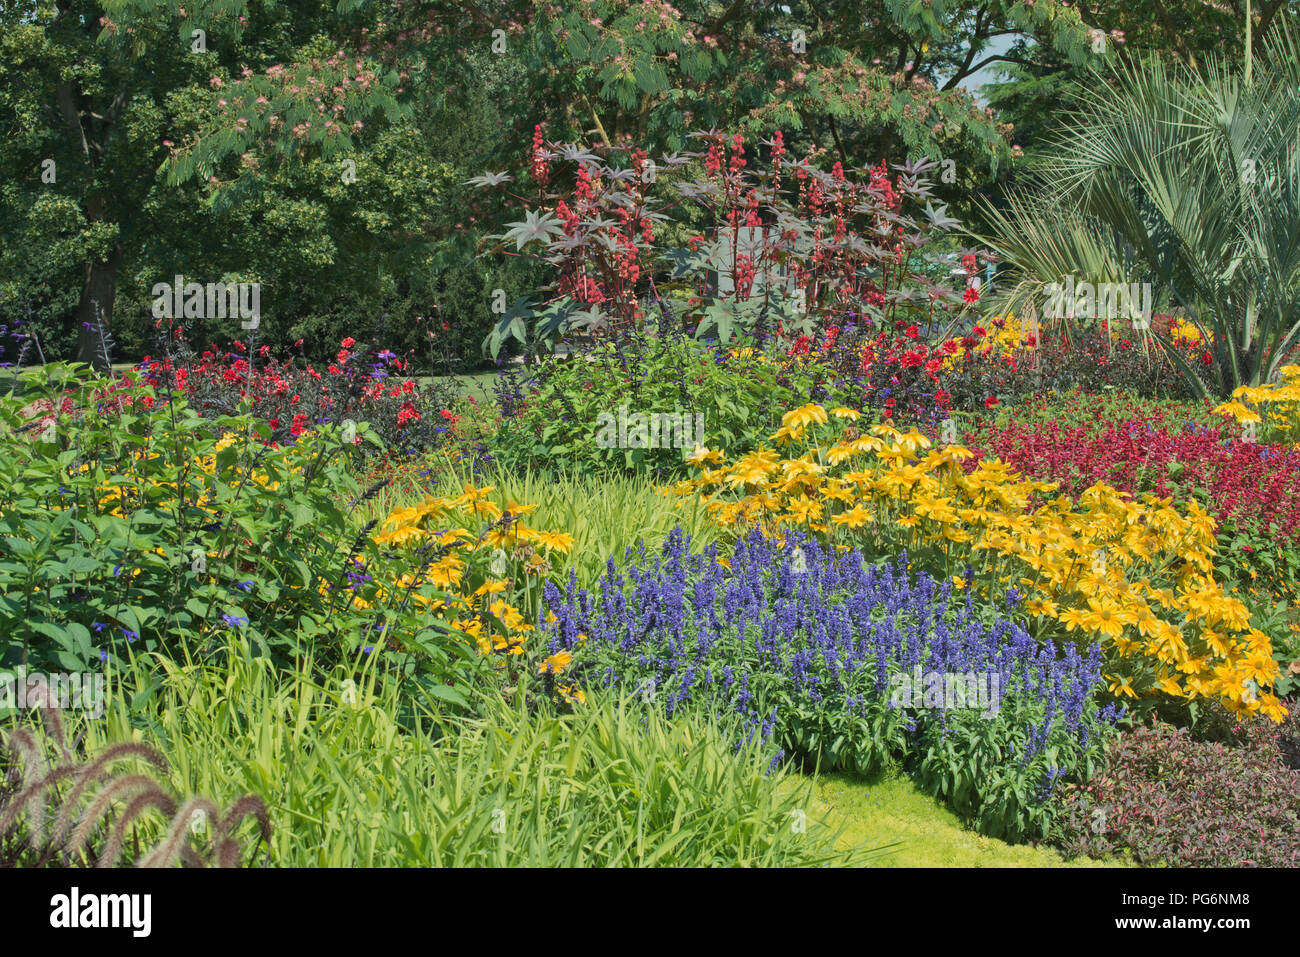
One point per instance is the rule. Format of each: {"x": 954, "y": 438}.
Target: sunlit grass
{"x": 605, "y": 514}
{"x": 890, "y": 809}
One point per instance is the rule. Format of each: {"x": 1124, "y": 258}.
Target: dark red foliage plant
{"x": 1166, "y": 798}
{"x": 740, "y": 237}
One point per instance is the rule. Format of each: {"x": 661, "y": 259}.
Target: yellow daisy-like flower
{"x": 500, "y": 536}
{"x": 555, "y": 541}
{"x": 804, "y": 509}
{"x": 702, "y": 454}
{"x": 573, "y": 695}
{"x": 1120, "y": 686}
{"x": 1072, "y": 618}
{"x": 810, "y": 414}
{"x": 787, "y": 435}
{"x": 855, "y": 517}
{"x": 447, "y": 571}
{"x": 401, "y": 536}
{"x": 556, "y": 663}
{"x": 1041, "y": 606}
{"x": 1106, "y": 618}
{"x": 1241, "y": 413}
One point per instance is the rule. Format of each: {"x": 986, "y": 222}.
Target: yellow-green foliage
{"x": 891, "y": 810}
{"x": 354, "y": 775}
{"x": 605, "y": 514}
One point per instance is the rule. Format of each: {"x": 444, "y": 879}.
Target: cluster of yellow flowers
{"x": 1137, "y": 575}
{"x": 476, "y": 568}
{"x": 1009, "y": 335}
{"x": 1274, "y": 405}
{"x": 1184, "y": 333}
{"x": 997, "y": 335}
{"x": 116, "y": 496}
{"x": 123, "y": 493}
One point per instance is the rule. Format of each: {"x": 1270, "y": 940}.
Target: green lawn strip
{"x": 890, "y": 808}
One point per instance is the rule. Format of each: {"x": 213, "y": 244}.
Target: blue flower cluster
{"x": 838, "y": 659}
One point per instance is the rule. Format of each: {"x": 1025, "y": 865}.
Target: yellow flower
{"x": 556, "y": 663}
{"x": 810, "y": 414}
{"x": 753, "y": 469}
{"x": 855, "y": 517}
{"x": 1044, "y": 606}
{"x": 1072, "y": 618}
{"x": 837, "y": 490}
{"x": 804, "y": 509}
{"x": 401, "y": 536}
{"x": 502, "y": 536}
{"x": 1238, "y": 411}
{"x": 787, "y": 435}
{"x": 447, "y": 571}
{"x": 1120, "y": 686}
{"x": 556, "y": 541}
{"x": 701, "y": 454}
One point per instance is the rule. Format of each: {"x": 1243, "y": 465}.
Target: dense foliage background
{"x": 323, "y": 148}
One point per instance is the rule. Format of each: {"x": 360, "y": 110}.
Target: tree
{"x": 109, "y": 91}
{"x": 1035, "y": 94}
{"x": 881, "y": 79}
{"x": 89, "y": 106}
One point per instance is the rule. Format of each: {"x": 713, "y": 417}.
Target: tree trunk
{"x": 95, "y": 311}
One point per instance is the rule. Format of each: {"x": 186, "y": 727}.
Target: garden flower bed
{"x": 822, "y": 445}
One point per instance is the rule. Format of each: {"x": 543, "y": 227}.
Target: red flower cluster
{"x": 293, "y": 397}
{"x": 1246, "y": 482}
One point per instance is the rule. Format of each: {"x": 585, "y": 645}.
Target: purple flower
{"x": 812, "y": 661}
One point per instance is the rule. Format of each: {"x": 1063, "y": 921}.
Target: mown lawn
{"x": 891, "y": 810}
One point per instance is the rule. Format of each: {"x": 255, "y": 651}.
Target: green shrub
{"x": 129, "y": 522}
{"x": 554, "y": 418}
